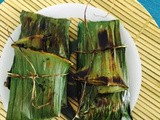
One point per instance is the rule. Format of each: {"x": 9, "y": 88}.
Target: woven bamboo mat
{"x": 136, "y": 20}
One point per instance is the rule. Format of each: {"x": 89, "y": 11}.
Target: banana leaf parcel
{"x": 55, "y": 35}
{"x": 40, "y": 66}
{"x": 55, "y": 32}
{"x": 102, "y": 74}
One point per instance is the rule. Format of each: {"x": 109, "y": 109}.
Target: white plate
{"x": 77, "y": 11}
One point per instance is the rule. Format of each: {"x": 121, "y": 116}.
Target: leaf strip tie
{"x": 100, "y": 50}
{"x": 15, "y": 75}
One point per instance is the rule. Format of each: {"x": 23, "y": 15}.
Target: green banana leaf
{"x": 49, "y": 86}
{"x": 102, "y": 72}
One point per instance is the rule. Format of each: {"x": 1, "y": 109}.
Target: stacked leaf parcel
{"x": 38, "y": 74}
{"x": 102, "y": 72}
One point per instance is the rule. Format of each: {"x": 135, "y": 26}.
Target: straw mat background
{"x": 136, "y": 20}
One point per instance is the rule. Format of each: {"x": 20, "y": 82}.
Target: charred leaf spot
{"x": 81, "y": 74}
{"x": 103, "y": 38}
{"x": 43, "y": 24}
{"x": 101, "y": 102}
{"x": 44, "y": 83}
{"x": 51, "y": 44}
{"x": 29, "y": 19}
{"x": 21, "y": 45}
{"x": 41, "y": 87}
{"x": 7, "y": 83}
{"x": 31, "y": 38}
{"x": 118, "y": 80}
{"x": 103, "y": 79}
{"x": 47, "y": 59}
{"x": 44, "y": 44}
{"x": 112, "y": 53}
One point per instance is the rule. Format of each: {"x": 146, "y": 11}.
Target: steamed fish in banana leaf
{"x": 102, "y": 73}
{"x": 40, "y": 66}
{"x": 55, "y": 32}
